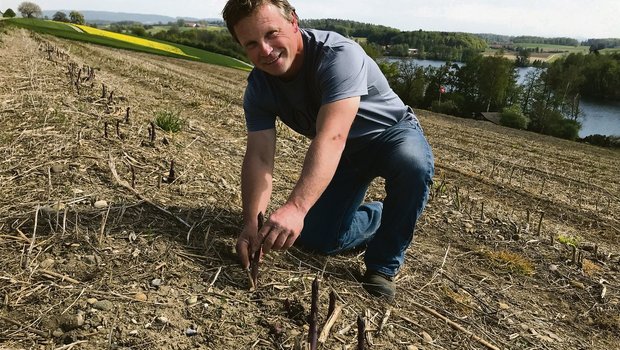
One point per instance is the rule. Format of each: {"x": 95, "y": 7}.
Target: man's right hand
{"x": 248, "y": 243}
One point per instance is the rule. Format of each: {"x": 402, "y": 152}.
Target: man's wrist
{"x": 299, "y": 205}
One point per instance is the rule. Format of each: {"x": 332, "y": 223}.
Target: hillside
{"x": 518, "y": 248}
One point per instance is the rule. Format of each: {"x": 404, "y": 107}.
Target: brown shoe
{"x": 379, "y": 285}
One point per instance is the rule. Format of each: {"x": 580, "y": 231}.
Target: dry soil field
{"x": 517, "y": 249}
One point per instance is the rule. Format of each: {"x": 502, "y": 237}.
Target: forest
{"x": 547, "y": 102}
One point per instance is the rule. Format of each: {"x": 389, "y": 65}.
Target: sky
{"x": 580, "y": 19}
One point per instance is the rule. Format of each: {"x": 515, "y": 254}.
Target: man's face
{"x": 271, "y": 41}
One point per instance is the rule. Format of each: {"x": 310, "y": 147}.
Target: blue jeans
{"x": 339, "y": 221}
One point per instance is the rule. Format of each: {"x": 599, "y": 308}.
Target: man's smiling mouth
{"x": 274, "y": 60}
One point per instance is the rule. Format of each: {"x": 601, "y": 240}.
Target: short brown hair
{"x": 236, "y": 10}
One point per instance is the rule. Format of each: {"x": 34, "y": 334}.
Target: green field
{"x": 126, "y": 41}
{"x": 554, "y": 48}
{"x": 157, "y": 29}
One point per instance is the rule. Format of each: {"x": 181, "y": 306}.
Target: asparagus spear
{"x": 256, "y": 258}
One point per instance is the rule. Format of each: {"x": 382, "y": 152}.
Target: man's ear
{"x": 295, "y": 23}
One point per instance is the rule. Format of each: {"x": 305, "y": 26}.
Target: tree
{"x": 76, "y": 17}
{"x": 496, "y": 80}
{"x": 523, "y": 58}
{"x": 138, "y": 30}
{"x": 29, "y": 9}
{"x": 513, "y": 118}
{"x": 9, "y": 13}
{"x": 60, "y": 17}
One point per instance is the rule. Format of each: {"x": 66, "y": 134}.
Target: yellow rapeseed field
{"x": 133, "y": 40}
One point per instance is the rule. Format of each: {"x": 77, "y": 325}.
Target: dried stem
{"x": 542, "y": 215}
{"x": 453, "y": 325}
{"x": 331, "y": 320}
{"x": 139, "y": 195}
{"x": 29, "y": 329}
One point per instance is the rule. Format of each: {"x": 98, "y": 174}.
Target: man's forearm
{"x": 256, "y": 185}
{"x": 318, "y": 170}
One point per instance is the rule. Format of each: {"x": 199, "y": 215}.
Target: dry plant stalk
{"x": 331, "y": 320}
{"x": 454, "y": 325}
{"x": 126, "y": 185}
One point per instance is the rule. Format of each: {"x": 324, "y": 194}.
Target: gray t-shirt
{"x": 334, "y": 68}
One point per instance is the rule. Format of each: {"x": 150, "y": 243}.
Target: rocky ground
{"x": 100, "y": 249}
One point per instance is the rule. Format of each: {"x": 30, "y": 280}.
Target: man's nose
{"x": 265, "y": 48}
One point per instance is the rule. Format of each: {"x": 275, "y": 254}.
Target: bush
{"x": 9, "y": 13}
{"x": 138, "y": 30}
{"x": 513, "y": 118}
{"x": 602, "y": 140}
{"x": 60, "y": 16}
{"x": 551, "y": 122}
{"x": 168, "y": 121}
{"x": 446, "y": 107}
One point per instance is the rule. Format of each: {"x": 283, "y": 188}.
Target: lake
{"x": 598, "y": 117}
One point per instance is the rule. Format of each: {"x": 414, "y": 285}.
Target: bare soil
{"x": 517, "y": 249}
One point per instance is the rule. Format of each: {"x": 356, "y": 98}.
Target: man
{"x": 325, "y": 87}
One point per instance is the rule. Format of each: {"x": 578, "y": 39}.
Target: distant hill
{"x": 106, "y": 17}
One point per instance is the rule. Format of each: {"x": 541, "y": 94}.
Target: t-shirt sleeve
{"x": 343, "y": 73}
{"x": 256, "y": 106}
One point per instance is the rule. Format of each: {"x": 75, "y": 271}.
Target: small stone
{"x": 57, "y": 168}
{"x": 134, "y": 332}
{"x": 578, "y": 284}
{"x": 58, "y": 333}
{"x": 162, "y": 320}
{"x": 553, "y": 267}
{"x": 391, "y": 334}
{"x": 412, "y": 347}
{"x": 49, "y": 262}
{"x": 53, "y": 209}
{"x": 91, "y": 301}
{"x": 140, "y": 296}
{"x": 427, "y": 338}
{"x": 211, "y": 200}
{"x": 190, "y": 332}
{"x": 58, "y": 206}
{"x": 164, "y": 290}
{"x": 156, "y": 282}
{"x": 191, "y": 300}
{"x": 103, "y": 305}
{"x": 70, "y": 322}
{"x": 100, "y": 204}
{"x": 504, "y": 306}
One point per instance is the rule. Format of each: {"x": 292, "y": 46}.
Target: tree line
{"x": 393, "y": 42}
{"x": 547, "y": 102}
{"x": 546, "y": 41}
